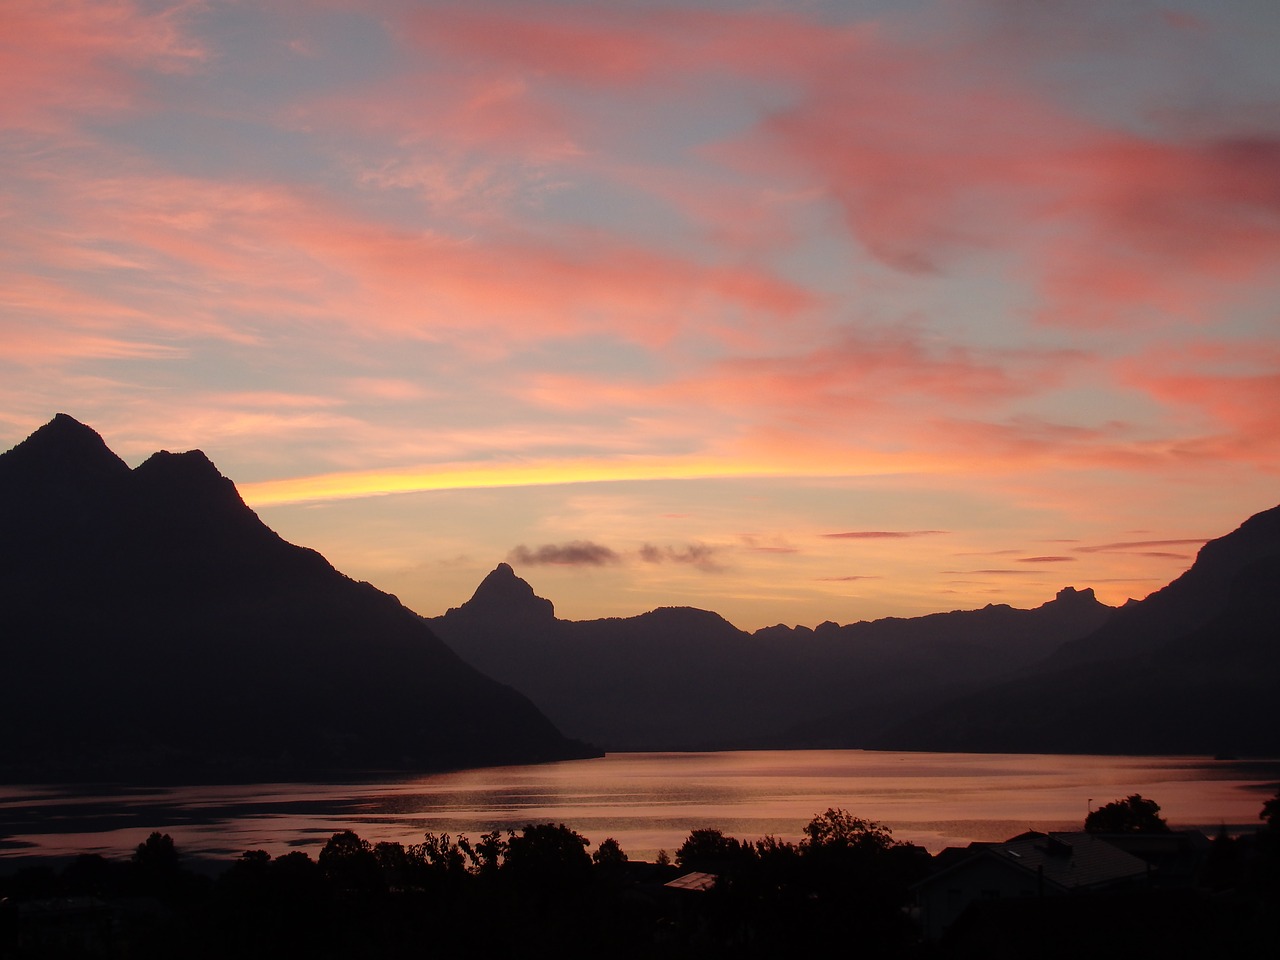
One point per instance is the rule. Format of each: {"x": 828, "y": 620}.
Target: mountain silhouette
{"x": 504, "y": 597}
{"x": 154, "y": 626}
{"x": 683, "y": 678}
{"x": 1193, "y": 668}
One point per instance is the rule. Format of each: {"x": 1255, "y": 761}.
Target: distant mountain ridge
{"x": 683, "y": 678}
{"x": 1194, "y": 668}
{"x": 155, "y": 626}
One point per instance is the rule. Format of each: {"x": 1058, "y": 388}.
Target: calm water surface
{"x": 647, "y": 801}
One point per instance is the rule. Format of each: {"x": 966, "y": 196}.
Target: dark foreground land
{"x": 847, "y": 886}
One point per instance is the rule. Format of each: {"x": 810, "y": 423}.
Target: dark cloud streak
{"x": 696, "y": 554}
{"x": 577, "y": 553}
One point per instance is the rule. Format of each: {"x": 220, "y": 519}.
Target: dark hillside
{"x": 154, "y": 625}
{"x": 1194, "y": 668}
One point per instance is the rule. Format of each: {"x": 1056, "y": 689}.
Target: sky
{"x": 796, "y": 311}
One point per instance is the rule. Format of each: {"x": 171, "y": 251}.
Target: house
{"x": 1032, "y": 865}
{"x": 1176, "y": 858}
{"x": 696, "y": 881}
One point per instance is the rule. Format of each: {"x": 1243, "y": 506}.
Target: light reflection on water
{"x": 647, "y": 801}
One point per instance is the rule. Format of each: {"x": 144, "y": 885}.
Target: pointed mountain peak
{"x": 188, "y": 481}
{"x": 65, "y": 423}
{"x": 63, "y": 449}
{"x": 191, "y": 464}
{"x": 504, "y": 594}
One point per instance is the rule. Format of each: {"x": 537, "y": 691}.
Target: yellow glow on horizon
{"x": 377, "y": 483}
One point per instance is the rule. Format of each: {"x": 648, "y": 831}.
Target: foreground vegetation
{"x": 846, "y": 884}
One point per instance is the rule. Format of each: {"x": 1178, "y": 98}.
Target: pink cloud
{"x": 936, "y": 150}
{"x": 626, "y": 46}
{"x": 880, "y": 398}
{"x": 82, "y": 57}
{"x": 885, "y": 368}
{"x": 1234, "y": 389}
{"x": 453, "y": 115}
{"x": 931, "y": 146}
{"x": 581, "y": 281}
{"x": 1174, "y": 227}
{"x": 873, "y": 387}
{"x": 287, "y": 253}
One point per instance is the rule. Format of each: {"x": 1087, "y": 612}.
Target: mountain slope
{"x": 1194, "y": 668}
{"x": 681, "y": 678}
{"x": 154, "y": 625}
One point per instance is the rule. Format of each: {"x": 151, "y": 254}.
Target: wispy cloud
{"x": 881, "y": 534}
{"x": 83, "y": 57}
{"x": 1131, "y": 545}
{"x": 994, "y": 572}
{"x": 777, "y": 545}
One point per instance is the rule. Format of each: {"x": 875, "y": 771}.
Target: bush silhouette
{"x": 1133, "y": 814}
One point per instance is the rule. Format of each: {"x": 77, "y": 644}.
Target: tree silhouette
{"x": 247, "y": 874}
{"x": 487, "y": 853}
{"x": 837, "y": 829}
{"x": 440, "y": 855}
{"x": 610, "y": 859}
{"x": 1271, "y": 813}
{"x": 156, "y": 854}
{"x": 548, "y": 854}
{"x": 708, "y": 849}
{"x": 349, "y": 863}
{"x": 155, "y": 865}
{"x": 1133, "y": 814}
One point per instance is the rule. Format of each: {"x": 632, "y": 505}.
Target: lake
{"x": 647, "y": 801}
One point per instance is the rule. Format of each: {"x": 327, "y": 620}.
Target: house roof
{"x": 1068, "y": 861}
{"x": 1073, "y": 860}
{"x": 696, "y": 881}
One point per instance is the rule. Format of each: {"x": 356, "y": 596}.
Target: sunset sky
{"x": 794, "y": 311}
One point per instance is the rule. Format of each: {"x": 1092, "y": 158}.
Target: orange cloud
{"x": 875, "y": 394}
{"x": 545, "y": 472}
{"x": 881, "y": 534}
{"x": 1132, "y": 545}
